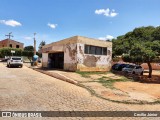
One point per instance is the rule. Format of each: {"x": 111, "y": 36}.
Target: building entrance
{"x": 56, "y": 60}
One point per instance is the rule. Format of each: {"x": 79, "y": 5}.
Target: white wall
{"x": 44, "y": 59}
{"x": 70, "y": 57}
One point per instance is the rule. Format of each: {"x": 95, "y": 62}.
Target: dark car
{"x": 114, "y": 66}
{"x": 118, "y": 66}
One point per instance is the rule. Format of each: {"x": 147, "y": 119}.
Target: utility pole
{"x": 34, "y": 44}
{"x": 9, "y": 35}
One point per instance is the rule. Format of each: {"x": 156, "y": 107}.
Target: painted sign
{"x": 12, "y": 51}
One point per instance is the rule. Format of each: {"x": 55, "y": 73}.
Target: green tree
{"x": 138, "y": 46}
{"x": 6, "y": 51}
{"x": 41, "y": 44}
{"x": 29, "y": 48}
{"x": 29, "y": 52}
{"x": 40, "y": 48}
{"x": 156, "y": 33}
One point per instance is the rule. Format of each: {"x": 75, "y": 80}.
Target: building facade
{"x": 11, "y": 43}
{"x": 78, "y": 54}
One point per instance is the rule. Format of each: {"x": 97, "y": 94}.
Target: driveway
{"x": 26, "y": 89}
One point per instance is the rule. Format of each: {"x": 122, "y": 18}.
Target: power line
{"x": 9, "y": 35}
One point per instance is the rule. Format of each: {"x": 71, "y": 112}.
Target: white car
{"x": 138, "y": 70}
{"x": 128, "y": 69}
{"x": 133, "y": 69}
{"x": 15, "y": 61}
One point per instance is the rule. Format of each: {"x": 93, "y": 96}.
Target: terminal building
{"x": 78, "y": 54}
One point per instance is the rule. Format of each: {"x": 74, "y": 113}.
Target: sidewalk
{"x": 56, "y": 74}
{"x": 109, "y": 86}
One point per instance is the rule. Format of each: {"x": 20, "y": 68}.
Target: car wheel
{"x": 21, "y": 66}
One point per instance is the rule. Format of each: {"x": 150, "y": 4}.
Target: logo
{"x": 6, "y": 114}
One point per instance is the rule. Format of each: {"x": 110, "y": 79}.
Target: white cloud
{"x": 53, "y": 26}
{"x": 106, "y": 12}
{"x": 28, "y": 38}
{"x": 12, "y": 23}
{"x": 108, "y": 37}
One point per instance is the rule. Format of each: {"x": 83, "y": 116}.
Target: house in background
{"x": 78, "y": 54}
{"x": 11, "y": 43}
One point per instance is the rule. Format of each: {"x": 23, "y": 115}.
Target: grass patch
{"x": 109, "y": 82}
{"x": 87, "y": 74}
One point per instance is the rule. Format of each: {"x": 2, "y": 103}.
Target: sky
{"x": 54, "y": 20}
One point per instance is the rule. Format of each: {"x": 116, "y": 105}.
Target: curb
{"x": 58, "y": 76}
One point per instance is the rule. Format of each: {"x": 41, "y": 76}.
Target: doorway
{"x": 56, "y": 60}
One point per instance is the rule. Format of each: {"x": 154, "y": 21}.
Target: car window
{"x": 127, "y": 66}
{"x": 138, "y": 67}
{"x": 16, "y": 58}
{"x": 131, "y": 66}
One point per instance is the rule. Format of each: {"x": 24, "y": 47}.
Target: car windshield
{"x": 16, "y": 58}
{"x": 124, "y": 65}
{"x": 130, "y": 66}
{"x": 138, "y": 67}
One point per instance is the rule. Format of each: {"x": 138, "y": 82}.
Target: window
{"x": 86, "y": 49}
{"x": 104, "y": 51}
{"x": 10, "y": 45}
{"x": 16, "y": 58}
{"x": 89, "y": 49}
{"x": 98, "y": 51}
{"x": 138, "y": 67}
{"x": 92, "y": 50}
{"x": 17, "y": 46}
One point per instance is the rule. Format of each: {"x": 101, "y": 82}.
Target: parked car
{"x": 118, "y": 66}
{"x": 114, "y": 66}
{"x": 134, "y": 69}
{"x": 128, "y": 69}
{"x": 15, "y": 61}
{"x": 138, "y": 70}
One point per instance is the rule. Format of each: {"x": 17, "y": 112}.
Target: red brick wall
{"x": 6, "y": 43}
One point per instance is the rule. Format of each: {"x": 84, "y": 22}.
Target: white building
{"x": 78, "y": 54}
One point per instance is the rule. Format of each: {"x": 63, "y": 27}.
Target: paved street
{"x": 26, "y": 89}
